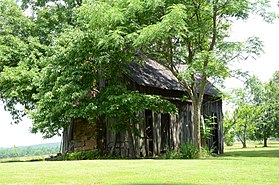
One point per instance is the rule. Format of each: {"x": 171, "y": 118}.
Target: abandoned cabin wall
{"x": 158, "y": 132}
{"x": 80, "y": 135}
{"x": 212, "y": 109}
{"x": 116, "y": 139}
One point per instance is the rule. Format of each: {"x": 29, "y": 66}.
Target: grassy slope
{"x": 238, "y": 166}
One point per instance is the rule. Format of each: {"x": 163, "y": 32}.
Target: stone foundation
{"x": 84, "y": 135}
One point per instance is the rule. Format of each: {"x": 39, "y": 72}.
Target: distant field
{"x": 254, "y": 165}
{"x": 33, "y": 150}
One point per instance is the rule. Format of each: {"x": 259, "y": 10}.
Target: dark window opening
{"x": 149, "y": 131}
{"x": 165, "y": 132}
{"x": 214, "y": 132}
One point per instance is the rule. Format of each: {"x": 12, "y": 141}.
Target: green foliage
{"x": 86, "y": 155}
{"x": 171, "y": 154}
{"x": 255, "y": 115}
{"x": 19, "y": 51}
{"x": 206, "y": 152}
{"x": 229, "y": 139}
{"x": 243, "y": 120}
{"x": 188, "y": 150}
{"x": 271, "y": 128}
{"x": 193, "y": 34}
{"x": 247, "y": 117}
{"x": 82, "y": 155}
{"x": 117, "y": 101}
{"x": 35, "y": 5}
{"x": 207, "y": 126}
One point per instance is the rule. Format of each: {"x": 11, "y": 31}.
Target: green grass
{"x": 23, "y": 159}
{"x": 254, "y": 165}
{"x": 253, "y": 150}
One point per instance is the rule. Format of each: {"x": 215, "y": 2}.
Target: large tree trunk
{"x": 244, "y": 136}
{"x": 132, "y": 151}
{"x": 197, "y": 124}
{"x": 265, "y": 136}
{"x": 244, "y": 143}
{"x": 265, "y": 142}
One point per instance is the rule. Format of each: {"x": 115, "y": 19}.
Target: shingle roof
{"x": 153, "y": 74}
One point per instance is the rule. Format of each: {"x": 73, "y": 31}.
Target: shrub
{"x": 229, "y": 141}
{"x": 88, "y": 155}
{"x": 188, "y": 151}
{"x": 83, "y": 155}
{"x": 206, "y": 152}
{"x": 171, "y": 154}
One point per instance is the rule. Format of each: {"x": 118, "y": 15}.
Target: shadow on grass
{"x": 253, "y": 153}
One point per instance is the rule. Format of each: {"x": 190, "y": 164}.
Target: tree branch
{"x": 214, "y": 29}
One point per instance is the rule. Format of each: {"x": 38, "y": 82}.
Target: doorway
{"x": 149, "y": 132}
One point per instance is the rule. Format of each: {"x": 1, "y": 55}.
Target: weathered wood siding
{"x": 157, "y": 132}
{"x": 167, "y": 132}
{"x": 213, "y": 110}
{"x": 67, "y": 139}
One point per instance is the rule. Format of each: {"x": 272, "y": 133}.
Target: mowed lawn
{"x": 238, "y": 166}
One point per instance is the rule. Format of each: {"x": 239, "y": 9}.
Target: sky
{"x": 263, "y": 67}
{"x": 268, "y": 62}
{"x": 18, "y": 134}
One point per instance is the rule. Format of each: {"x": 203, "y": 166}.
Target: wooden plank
{"x": 154, "y": 123}
{"x": 176, "y": 131}
{"x": 136, "y": 139}
{"x": 157, "y": 133}
{"x": 172, "y": 131}
{"x": 142, "y": 151}
{"x": 179, "y": 129}
{"x": 183, "y": 118}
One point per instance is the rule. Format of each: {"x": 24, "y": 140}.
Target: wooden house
{"x": 157, "y": 132}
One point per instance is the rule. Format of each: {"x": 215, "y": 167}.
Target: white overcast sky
{"x": 268, "y": 62}
{"x": 263, "y": 67}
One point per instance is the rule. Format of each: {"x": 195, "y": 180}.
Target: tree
{"x": 271, "y": 128}
{"x": 18, "y": 51}
{"x": 257, "y": 92}
{"x": 266, "y": 96}
{"x": 245, "y": 117}
{"x": 189, "y": 38}
{"x": 255, "y": 114}
{"x": 66, "y": 78}
{"x": 274, "y": 103}
{"x": 228, "y": 124}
